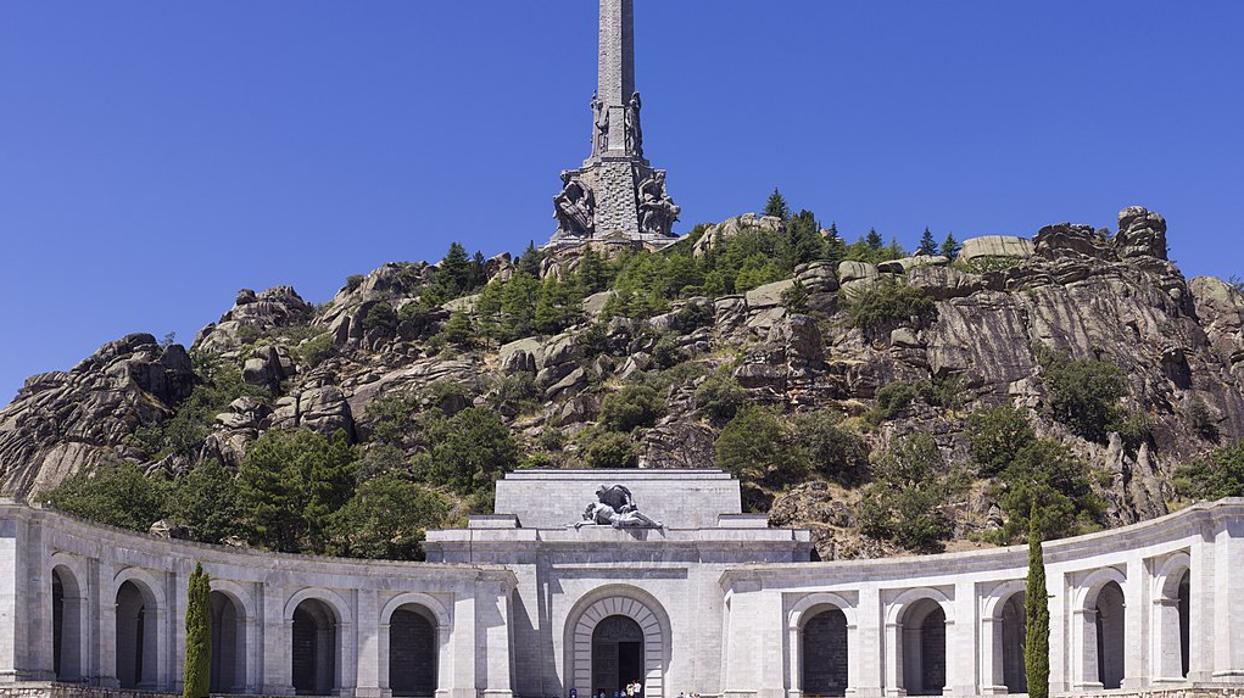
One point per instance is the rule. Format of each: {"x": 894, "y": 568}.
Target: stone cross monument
{"x": 616, "y": 194}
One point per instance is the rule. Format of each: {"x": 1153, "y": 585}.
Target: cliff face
{"x": 1180, "y": 344}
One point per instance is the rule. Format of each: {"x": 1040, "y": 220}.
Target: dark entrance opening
{"x": 412, "y": 652}
{"x": 314, "y": 648}
{"x": 617, "y": 654}
{"x": 825, "y": 654}
{"x": 1185, "y": 627}
{"x": 1110, "y": 636}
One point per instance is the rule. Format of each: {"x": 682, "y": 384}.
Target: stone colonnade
{"x": 1158, "y": 604}
{"x": 91, "y": 605}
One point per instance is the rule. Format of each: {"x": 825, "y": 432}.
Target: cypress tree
{"x": 1037, "y": 615}
{"x": 197, "y": 672}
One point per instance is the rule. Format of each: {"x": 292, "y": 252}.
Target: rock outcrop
{"x": 1072, "y": 287}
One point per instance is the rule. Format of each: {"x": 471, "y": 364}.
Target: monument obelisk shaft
{"x": 617, "y": 52}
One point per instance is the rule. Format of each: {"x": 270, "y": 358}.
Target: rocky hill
{"x": 803, "y": 344}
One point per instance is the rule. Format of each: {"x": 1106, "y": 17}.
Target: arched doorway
{"x": 1110, "y": 635}
{"x": 412, "y": 651}
{"x": 617, "y": 654}
{"x": 314, "y": 648}
{"x": 138, "y": 629}
{"x": 1014, "y": 637}
{"x": 824, "y": 647}
{"x": 1170, "y": 621}
{"x": 580, "y": 639}
{"x": 228, "y": 645}
{"x": 67, "y": 607}
{"x": 924, "y": 648}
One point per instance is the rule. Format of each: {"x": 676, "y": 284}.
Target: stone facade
{"x": 715, "y": 601}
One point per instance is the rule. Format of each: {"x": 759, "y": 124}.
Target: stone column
{"x": 1228, "y": 601}
{"x": 373, "y": 652}
{"x": 461, "y": 682}
{"x": 961, "y": 647}
{"x": 492, "y": 609}
{"x": 1135, "y": 630}
{"x": 277, "y": 641}
{"x": 868, "y": 678}
{"x": 12, "y": 583}
{"x": 1202, "y": 612}
{"x": 107, "y": 595}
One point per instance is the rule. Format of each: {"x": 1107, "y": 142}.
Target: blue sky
{"x": 155, "y": 157}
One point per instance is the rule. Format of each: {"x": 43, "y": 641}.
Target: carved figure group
{"x": 574, "y": 208}
{"x": 615, "y": 506}
{"x": 657, "y": 211}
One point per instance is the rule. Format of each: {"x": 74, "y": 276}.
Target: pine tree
{"x": 454, "y": 276}
{"x": 197, "y": 671}
{"x": 1037, "y": 612}
{"x": 776, "y": 206}
{"x": 874, "y": 240}
{"x": 529, "y": 261}
{"x": 928, "y": 246}
{"x": 835, "y": 246}
{"x": 950, "y": 248}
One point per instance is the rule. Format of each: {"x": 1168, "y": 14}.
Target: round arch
{"x": 803, "y": 611}
{"x": 330, "y": 598}
{"x": 617, "y": 600}
{"x": 1084, "y": 631}
{"x": 904, "y": 645}
{"x": 141, "y": 644}
{"x": 1171, "y": 654}
{"x": 69, "y": 608}
{"x": 442, "y": 621}
{"x": 233, "y": 637}
{"x": 329, "y": 665}
{"x": 999, "y": 641}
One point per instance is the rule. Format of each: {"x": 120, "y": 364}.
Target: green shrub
{"x": 390, "y": 419}
{"x": 757, "y": 446}
{"x": 667, "y": 353}
{"x": 1220, "y": 475}
{"x": 205, "y": 501}
{"x": 381, "y": 459}
{"x": 995, "y": 436}
{"x": 458, "y": 330}
{"x": 353, "y": 281}
{"x": 1083, "y": 394}
{"x": 115, "y": 495}
{"x": 611, "y": 451}
{"x": 386, "y": 519}
{"x": 552, "y": 439}
{"x": 1048, "y": 478}
{"x": 1133, "y": 430}
{"x": 317, "y": 350}
{"x": 288, "y": 484}
{"x": 795, "y": 298}
{"x": 381, "y": 317}
{"x": 829, "y": 449}
{"x": 720, "y": 396}
{"x": 893, "y": 399}
{"x": 517, "y": 391}
{"x": 471, "y": 450}
{"x": 903, "y": 504}
{"x": 632, "y": 407}
{"x": 882, "y": 305}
